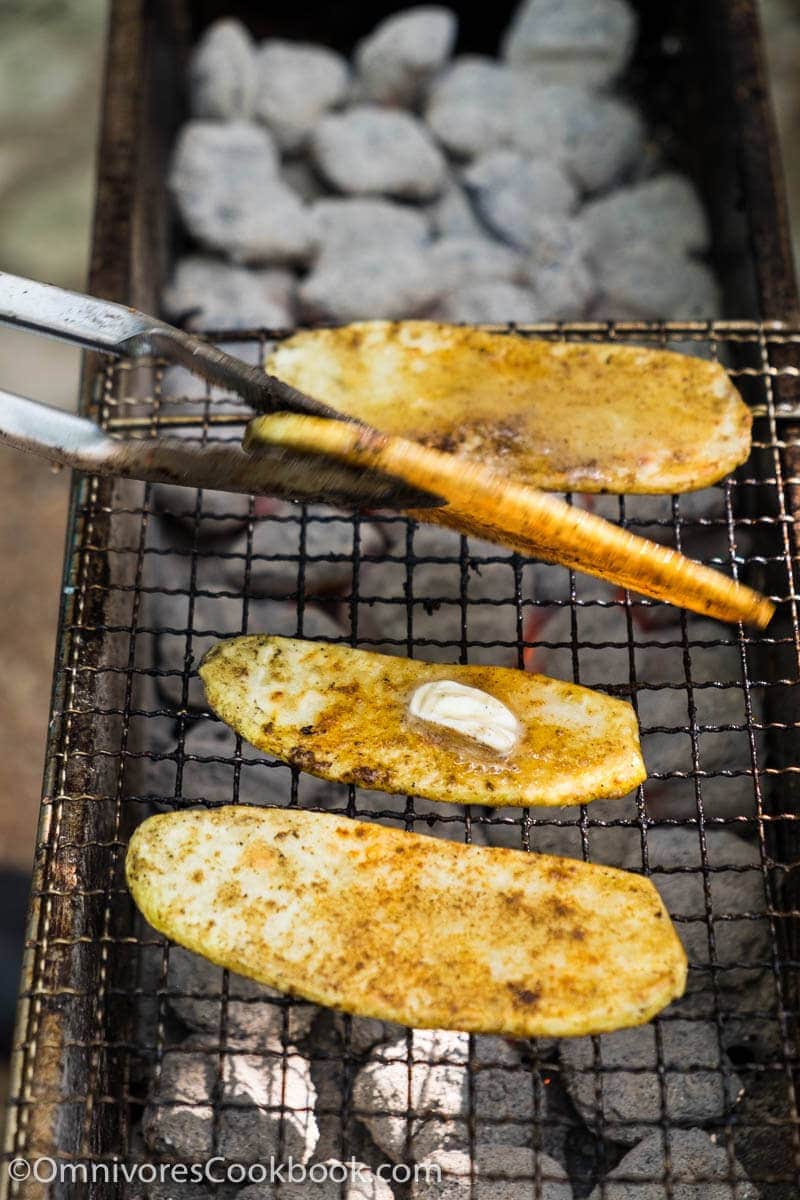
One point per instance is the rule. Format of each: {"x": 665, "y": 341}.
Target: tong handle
{"x": 115, "y": 329}
{"x": 71, "y": 441}
{"x": 263, "y": 392}
{"x": 60, "y": 437}
{"x": 68, "y": 316}
{"x": 51, "y": 433}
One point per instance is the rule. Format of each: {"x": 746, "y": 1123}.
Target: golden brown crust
{"x": 387, "y": 924}
{"x": 489, "y": 505}
{"x": 585, "y": 417}
{"x": 342, "y": 714}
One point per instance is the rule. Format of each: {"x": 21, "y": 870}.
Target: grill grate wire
{"x": 96, "y": 1009}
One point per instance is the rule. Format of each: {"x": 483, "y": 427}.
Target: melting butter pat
{"x": 468, "y": 711}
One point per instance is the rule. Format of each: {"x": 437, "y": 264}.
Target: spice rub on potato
{"x": 562, "y": 416}
{"x": 391, "y": 724}
{"x": 484, "y": 502}
{"x": 429, "y": 933}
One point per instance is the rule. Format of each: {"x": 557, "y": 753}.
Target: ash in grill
{"x": 163, "y": 1055}
{"x": 228, "y": 1066}
{"x": 414, "y": 180}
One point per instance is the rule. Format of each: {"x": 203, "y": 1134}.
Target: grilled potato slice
{"x": 583, "y": 417}
{"x": 486, "y": 504}
{"x": 342, "y": 714}
{"x": 383, "y": 923}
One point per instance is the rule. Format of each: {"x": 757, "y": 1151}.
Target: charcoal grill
{"x": 95, "y": 1018}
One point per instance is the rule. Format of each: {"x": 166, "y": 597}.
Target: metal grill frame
{"x": 69, "y": 1071}
{"x": 77, "y": 1066}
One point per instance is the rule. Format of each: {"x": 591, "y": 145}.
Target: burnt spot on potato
{"x": 343, "y": 714}
{"x": 531, "y": 407}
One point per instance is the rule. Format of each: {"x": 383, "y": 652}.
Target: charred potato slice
{"x": 562, "y": 416}
{"x": 343, "y": 714}
{"x": 383, "y": 923}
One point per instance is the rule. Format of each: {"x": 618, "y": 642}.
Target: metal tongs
{"x": 303, "y": 450}
{"x": 76, "y": 442}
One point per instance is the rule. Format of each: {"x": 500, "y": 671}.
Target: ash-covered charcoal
{"x": 222, "y": 73}
{"x": 301, "y": 177}
{"x": 470, "y": 107}
{"x": 217, "y": 616}
{"x": 724, "y": 741}
{"x": 641, "y": 282}
{"x": 296, "y": 83}
{"x": 603, "y": 656}
{"x": 362, "y": 1034}
{"x": 198, "y": 761}
{"x": 618, "y": 1090}
{"x": 733, "y": 907}
{"x": 371, "y": 281}
{"x": 701, "y": 517}
{"x": 277, "y": 285}
{"x": 337, "y": 1043}
{"x": 270, "y": 555}
{"x": 462, "y": 261}
{"x": 206, "y": 293}
{"x": 253, "y": 1012}
{"x": 172, "y": 1191}
{"x": 572, "y": 41}
{"x": 489, "y": 301}
{"x": 614, "y": 832}
{"x": 330, "y": 1075}
{"x": 722, "y": 797}
{"x": 284, "y": 232}
{"x": 496, "y": 1173}
{"x": 243, "y": 1106}
{"x": 418, "y": 1098}
{"x": 170, "y": 568}
{"x": 664, "y": 212}
{"x": 370, "y": 150}
{"x": 597, "y": 139}
{"x": 226, "y": 185}
{"x": 751, "y": 1024}
{"x": 557, "y": 267}
{"x": 453, "y": 215}
{"x": 699, "y": 1169}
{"x": 385, "y": 1097}
{"x": 537, "y": 129}
{"x": 430, "y": 817}
{"x": 588, "y": 642}
{"x": 453, "y": 600}
{"x": 202, "y": 521}
{"x": 548, "y": 587}
{"x": 511, "y": 192}
{"x": 609, "y": 829}
{"x": 352, "y": 1180}
{"x": 347, "y": 223}
{"x": 403, "y": 53}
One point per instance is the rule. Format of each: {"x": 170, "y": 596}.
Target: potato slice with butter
{"x": 562, "y": 416}
{"x": 357, "y": 717}
{"x": 387, "y": 924}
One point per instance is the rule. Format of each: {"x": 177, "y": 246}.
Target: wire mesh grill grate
{"x": 154, "y": 575}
